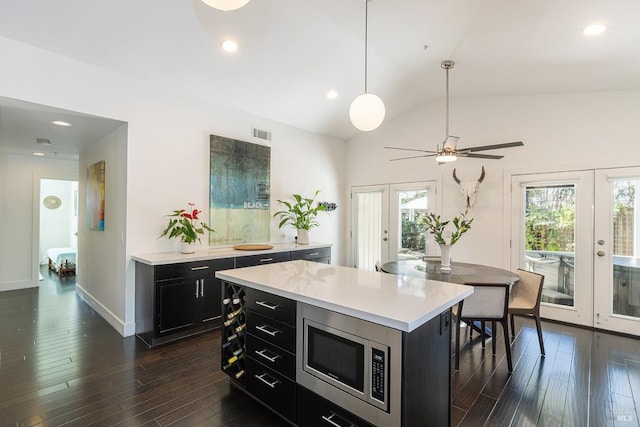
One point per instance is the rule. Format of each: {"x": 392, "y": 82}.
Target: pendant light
{"x": 367, "y": 110}
{"x": 226, "y": 4}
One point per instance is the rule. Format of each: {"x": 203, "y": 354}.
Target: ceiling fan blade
{"x": 412, "y": 157}
{"x": 480, "y": 156}
{"x": 410, "y": 149}
{"x": 491, "y": 147}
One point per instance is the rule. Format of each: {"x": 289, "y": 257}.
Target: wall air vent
{"x": 264, "y": 135}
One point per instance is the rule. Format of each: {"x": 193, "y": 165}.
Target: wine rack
{"x": 233, "y": 330}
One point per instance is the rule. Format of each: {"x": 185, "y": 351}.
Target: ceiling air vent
{"x": 261, "y": 134}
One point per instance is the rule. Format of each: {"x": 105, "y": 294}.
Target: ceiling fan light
{"x": 367, "y": 112}
{"x": 445, "y": 157}
{"x": 225, "y": 4}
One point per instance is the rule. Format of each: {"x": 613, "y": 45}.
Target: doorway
{"x": 386, "y": 222}
{"x": 58, "y": 226}
{"x": 581, "y": 231}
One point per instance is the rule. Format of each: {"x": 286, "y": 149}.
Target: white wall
{"x": 167, "y": 159}
{"x": 560, "y": 132}
{"x": 19, "y": 224}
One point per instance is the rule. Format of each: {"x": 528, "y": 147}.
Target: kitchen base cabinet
{"x": 316, "y": 411}
{"x": 177, "y": 300}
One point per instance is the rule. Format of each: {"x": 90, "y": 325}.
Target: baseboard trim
{"x": 122, "y": 328}
{"x": 14, "y": 286}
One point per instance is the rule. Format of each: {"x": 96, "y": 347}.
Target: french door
{"x": 385, "y": 222}
{"x": 617, "y": 250}
{"x": 581, "y": 230}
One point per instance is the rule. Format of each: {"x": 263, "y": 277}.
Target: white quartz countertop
{"x": 397, "y": 301}
{"x": 161, "y": 258}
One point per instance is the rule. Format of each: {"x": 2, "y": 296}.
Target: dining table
{"x": 461, "y": 272}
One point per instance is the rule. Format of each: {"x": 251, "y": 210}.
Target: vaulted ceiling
{"x": 291, "y": 52}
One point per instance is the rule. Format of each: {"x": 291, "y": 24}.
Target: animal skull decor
{"x": 469, "y": 188}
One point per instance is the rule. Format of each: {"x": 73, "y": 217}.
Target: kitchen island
{"x": 329, "y": 345}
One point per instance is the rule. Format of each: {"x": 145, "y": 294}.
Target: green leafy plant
{"x": 300, "y": 214}
{"x": 185, "y": 225}
{"x": 435, "y": 226}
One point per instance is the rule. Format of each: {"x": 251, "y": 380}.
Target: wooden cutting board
{"x": 252, "y": 247}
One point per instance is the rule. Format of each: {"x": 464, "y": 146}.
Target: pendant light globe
{"x": 225, "y": 4}
{"x": 367, "y": 112}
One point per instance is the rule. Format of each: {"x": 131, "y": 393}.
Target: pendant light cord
{"x": 446, "y": 108}
{"x": 366, "y": 32}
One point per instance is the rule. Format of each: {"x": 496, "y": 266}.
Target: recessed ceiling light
{"x": 61, "y": 123}
{"x": 229, "y": 45}
{"x": 594, "y": 30}
{"x": 37, "y": 153}
{"x": 332, "y": 94}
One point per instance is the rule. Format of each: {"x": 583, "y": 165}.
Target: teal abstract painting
{"x": 239, "y": 192}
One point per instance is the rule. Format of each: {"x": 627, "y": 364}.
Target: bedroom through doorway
{"x": 58, "y": 238}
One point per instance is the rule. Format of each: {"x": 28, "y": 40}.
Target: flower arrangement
{"x": 436, "y": 227}
{"x": 184, "y": 224}
{"x": 300, "y": 215}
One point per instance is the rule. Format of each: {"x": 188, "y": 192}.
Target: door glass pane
{"x": 626, "y": 266}
{"x": 550, "y": 239}
{"x": 369, "y": 229}
{"x": 412, "y": 206}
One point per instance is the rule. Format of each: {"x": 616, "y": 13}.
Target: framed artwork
{"x": 95, "y": 196}
{"x": 239, "y": 191}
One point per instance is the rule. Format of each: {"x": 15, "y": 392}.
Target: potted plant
{"x": 183, "y": 224}
{"x": 300, "y": 215}
{"x": 446, "y": 239}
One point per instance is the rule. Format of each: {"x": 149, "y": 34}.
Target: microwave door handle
{"x": 333, "y": 423}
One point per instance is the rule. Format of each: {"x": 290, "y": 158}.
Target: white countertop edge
{"x": 161, "y": 258}
{"x": 371, "y": 317}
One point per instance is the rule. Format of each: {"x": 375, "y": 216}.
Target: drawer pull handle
{"x": 199, "y": 268}
{"x": 313, "y": 254}
{"x": 264, "y": 352}
{"x": 333, "y": 423}
{"x": 272, "y": 384}
{"x": 268, "y": 305}
{"x": 266, "y": 259}
{"x": 272, "y": 331}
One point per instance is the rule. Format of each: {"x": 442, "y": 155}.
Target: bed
{"x": 62, "y": 260}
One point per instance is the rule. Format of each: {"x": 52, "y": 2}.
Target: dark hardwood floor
{"x": 62, "y": 364}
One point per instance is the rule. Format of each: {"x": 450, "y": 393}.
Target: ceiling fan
{"x": 448, "y": 152}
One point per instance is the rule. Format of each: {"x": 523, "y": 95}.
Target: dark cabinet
{"x": 265, "y": 364}
{"x": 266, "y": 258}
{"x": 183, "y": 299}
{"x": 316, "y": 411}
{"x": 318, "y": 255}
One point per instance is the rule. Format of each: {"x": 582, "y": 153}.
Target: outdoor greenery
{"x": 413, "y": 237}
{"x": 550, "y": 218}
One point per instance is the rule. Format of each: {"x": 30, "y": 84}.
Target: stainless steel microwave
{"x": 354, "y": 363}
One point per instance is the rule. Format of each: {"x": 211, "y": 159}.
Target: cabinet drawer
{"x": 274, "y": 357}
{"x": 195, "y": 268}
{"x": 274, "y": 306}
{"x": 276, "y": 333}
{"x": 311, "y": 254}
{"x": 316, "y": 411}
{"x": 268, "y": 258}
{"x": 273, "y": 389}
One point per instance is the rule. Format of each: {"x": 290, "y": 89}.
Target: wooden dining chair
{"x": 525, "y": 301}
{"x": 488, "y": 303}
